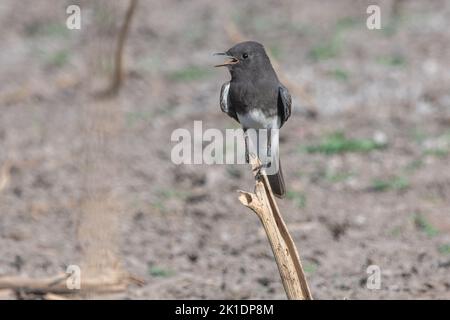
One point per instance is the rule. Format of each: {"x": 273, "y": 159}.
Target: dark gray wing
{"x": 284, "y": 104}
{"x": 225, "y": 104}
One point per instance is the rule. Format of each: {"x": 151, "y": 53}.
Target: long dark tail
{"x": 276, "y": 182}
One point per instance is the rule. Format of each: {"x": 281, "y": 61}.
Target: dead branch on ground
{"x": 58, "y": 285}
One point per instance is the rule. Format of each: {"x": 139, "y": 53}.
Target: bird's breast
{"x": 256, "y": 119}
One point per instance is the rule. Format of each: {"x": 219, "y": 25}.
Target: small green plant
{"x": 390, "y": 28}
{"x": 338, "y": 143}
{"x": 414, "y": 165}
{"x": 299, "y": 198}
{"x": 395, "y": 183}
{"x": 346, "y": 23}
{"x": 159, "y": 205}
{"x": 190, "y": 73}
{"x": 52, "y": 30}
{"x": 310, "y": 267}
{"x": 446, "y": 136}
{"x": 335, "y": 177}
{"x": 395, "y": 60}
{"x": 437, "y": 146}
{"x": 444, "y": 249}
{"x": 136, "y": 116}
{"x": 58, "y": 59}
{"x": 340, "y": 74}
{"x": 418, "y": 135}
{"x": 171, "y": 194}
{"x": 437, "y": 152}
{"x": 396, "y": 231}
{"x": 156, "y": 271}
{"x": 325, "y": 51}
{"x": 424, "y": 225}
{"x": 330, "y": 48}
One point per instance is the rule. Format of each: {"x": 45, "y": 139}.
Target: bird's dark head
{"x": 247, "y": 59}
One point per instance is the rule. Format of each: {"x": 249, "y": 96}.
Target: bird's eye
{"x": 245, "y": 56}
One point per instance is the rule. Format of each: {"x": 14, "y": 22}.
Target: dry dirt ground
{"x": 89, "y": 181}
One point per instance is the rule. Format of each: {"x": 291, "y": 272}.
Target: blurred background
{"x": 86, "y": 177}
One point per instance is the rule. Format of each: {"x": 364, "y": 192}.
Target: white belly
{"x": 258, "y": 140}
{"x": 256, "y": 119}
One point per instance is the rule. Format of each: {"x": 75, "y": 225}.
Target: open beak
{"x": 230, "y": 59}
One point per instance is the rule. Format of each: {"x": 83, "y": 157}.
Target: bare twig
{"x": 52, "y": 296}
{"x": 58, "y": 285}
{"x": 262, "y": 202}
{"x": 118, "y": 77}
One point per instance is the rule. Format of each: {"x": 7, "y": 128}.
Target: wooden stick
{"x": 58, "y": 285}
{"x": 52, "y": 296}
{"x": 262, "y": 202}
{"x": 117, "y": 79}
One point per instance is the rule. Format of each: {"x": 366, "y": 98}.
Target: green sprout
{"x": 423, "y": 224}
{"x": 337, "y": 143}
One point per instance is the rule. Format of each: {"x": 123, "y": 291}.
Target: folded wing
{"x": 225, "y": 104}
{"x": 284, "y": 104}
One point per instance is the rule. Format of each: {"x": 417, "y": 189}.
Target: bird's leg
{"x": 269, "y": 142}
{"x": 247, "y": 156}
{"x": 258, "y": 173}
{"x": 266, "y": 160}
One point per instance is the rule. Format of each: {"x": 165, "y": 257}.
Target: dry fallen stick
{"x": 58, "y": 285}
{"x": 262, "y": 202}
{"x": 52, "y": 296}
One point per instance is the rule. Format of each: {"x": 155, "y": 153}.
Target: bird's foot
{"x": 259, "y": 170}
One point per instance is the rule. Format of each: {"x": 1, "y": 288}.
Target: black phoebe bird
{"x": 256, "y": 99}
